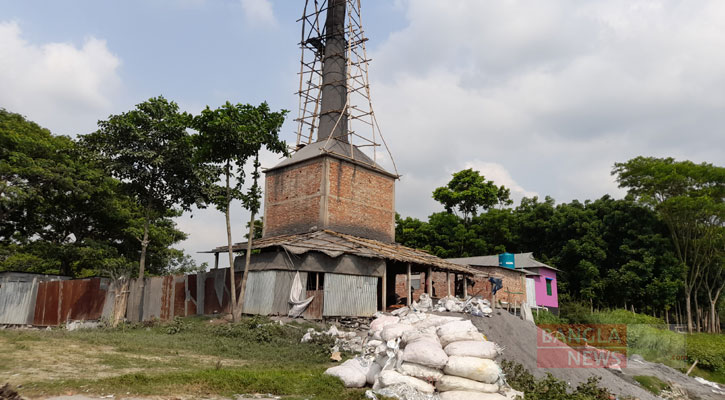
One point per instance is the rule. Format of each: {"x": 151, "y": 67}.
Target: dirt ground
{"x": 518, "y": 338}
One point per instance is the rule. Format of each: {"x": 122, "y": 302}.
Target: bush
{"x": 546, "y": 317}
{"x": 550, "y": 388}
{"x": 257, "y": 329}
{"x": 709, "y": 349}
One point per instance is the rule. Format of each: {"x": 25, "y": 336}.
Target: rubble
{"x": 344, "y": 341}
{"x": 411, "y": 354}
{"x": 473, "y": 305}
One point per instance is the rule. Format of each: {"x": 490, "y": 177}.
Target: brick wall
{"x": 292, "y": 198}
{"x": 514, "y": 289}
{"x": 361, "y": 202}
{"x": 327, "y": 193}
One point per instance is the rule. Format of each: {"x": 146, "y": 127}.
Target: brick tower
{"x": 330, "y": 183}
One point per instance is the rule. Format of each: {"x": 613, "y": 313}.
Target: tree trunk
{"x": 142, "y": 262}
{"x": 698, "y": 314}
{"x": 144, "y": 245}
{"x": 247, "y": 259}
{"x": 688, "y": 310}
{"x": 232, "y": 286}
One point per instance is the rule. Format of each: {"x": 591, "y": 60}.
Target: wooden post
{"x": 410, "y": 288}
{"x": 465, "y": 286}
{"x": 216, "y": 260}
{"x": 448, "y": 283}
{"x": 429, "y": 281}
{"x": 383, "y": 303}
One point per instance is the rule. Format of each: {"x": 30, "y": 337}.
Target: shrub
{"x": 709, "y": 349}
{"x": 550, "y": 388}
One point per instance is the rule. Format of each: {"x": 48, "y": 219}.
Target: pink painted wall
{"x": 542, "y": 299}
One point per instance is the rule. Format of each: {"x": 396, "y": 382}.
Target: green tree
{"x": 150, "y": 151}
{"x": 690, "y": 199}
{"x": 228, "y": 137}
{"x": 468, "y": 191}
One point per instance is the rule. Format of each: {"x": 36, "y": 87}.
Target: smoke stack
{"x": 334, "y": 75}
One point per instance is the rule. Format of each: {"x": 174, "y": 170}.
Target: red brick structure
{"x": 318, "y": 190}
{"x": 514, "y": 285}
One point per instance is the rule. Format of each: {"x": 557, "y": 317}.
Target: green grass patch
{"x": 225, "y": 382}
{"x": 651, "y": 383}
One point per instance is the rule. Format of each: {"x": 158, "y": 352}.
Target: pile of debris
{"x": 473, "y": 305}
{"x": 416, "y": 355}
{"x": 344, "y": 341}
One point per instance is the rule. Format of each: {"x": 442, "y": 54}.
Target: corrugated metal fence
{"x": 54, "y": 302}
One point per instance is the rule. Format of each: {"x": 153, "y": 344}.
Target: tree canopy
{"x": 468, "y": 191}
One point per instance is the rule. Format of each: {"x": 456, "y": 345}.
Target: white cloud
{"x": 551, "y": 93}
{"x": 56, "y": 84}
{"x": 258, "y": 12}
{"x": 500, "y": 176}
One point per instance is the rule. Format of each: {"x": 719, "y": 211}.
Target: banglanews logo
{"x": 581, "y": 346}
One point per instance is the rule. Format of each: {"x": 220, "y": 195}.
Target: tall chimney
{"x": 334, "y": 75}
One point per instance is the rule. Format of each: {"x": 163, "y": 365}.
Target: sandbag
{"x": 470, "y": 348}
{"x": 413, "y": 335}
{"x": 436, "y": 321}
{"x": 478, "y": 369}
{"x": 390, "y": 378}
{"x": 426, "y": 353}
{"x": 379, "y": 323}
{"x": 394, "y": 331}
{"x": 373, "y": 373}
{"x": 351, "y": 373}
{"x": 420, "y": 371}
{"x": 455, "y": 327}
{"x": 462, "y": 395}
{"x": 460, "y": 337}
{"x": 449, "y": 383}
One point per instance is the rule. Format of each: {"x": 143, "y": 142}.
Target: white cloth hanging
{"x": 295, "y": 298}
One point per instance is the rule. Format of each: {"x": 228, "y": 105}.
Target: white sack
{"x": 461, "y": 395}
{"x": 456, "y": 327}
{"x": 425, "y": 334}
{"x": 299, "y": 305}
{"x": 420, "y": 371}
{"x": 390, "y": 378}
{"x": 351, "y": 373}
{"x": 394, "y": 331}
{"x": 426, "y": 353}
{"x": 478, "y": 369}
{"x": 461, "y": 336}
{"x": 449, "y": 383}
{"x": 436, "y": 321}
{"x": 471, "y": 348}
{"x": 373, "y": 373}
{"x": 379, "y": 323}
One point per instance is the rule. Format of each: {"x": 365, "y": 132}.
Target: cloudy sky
{"x": 542, "y": 97}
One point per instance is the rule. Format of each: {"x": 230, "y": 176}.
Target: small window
{"x": 415, "y": 281}
{"x": 548, "y": 286}
{"x": 315, "y": 281}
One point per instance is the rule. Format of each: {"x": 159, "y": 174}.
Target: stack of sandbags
{"x": 435, "y": 355}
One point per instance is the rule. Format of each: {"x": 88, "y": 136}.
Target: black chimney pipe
{"x": 334, "y": 75}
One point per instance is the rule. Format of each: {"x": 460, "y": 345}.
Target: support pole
{"x": 216, "y": 260}
{"x": 429, "y": 281}
{"x": 410, "y": 287}
{"x": 385, "y": 287}
{"x": 465, "y": 286}
{"x": 448, "y": 283}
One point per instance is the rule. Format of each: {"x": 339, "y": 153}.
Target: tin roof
{"x": 522, "y": 261}
{"x": 335, "y": 244}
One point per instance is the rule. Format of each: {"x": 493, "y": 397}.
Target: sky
{"x": 541, "y": 97}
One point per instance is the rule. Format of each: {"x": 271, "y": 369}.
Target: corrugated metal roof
{"x": 335, "y": 244}
{"x": 521, "y": 260}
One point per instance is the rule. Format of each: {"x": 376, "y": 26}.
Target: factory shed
{"x": 348, "y": 276}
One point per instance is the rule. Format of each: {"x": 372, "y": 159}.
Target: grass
{"x": 193, "y": 356}
{"x": 652, "y": 384}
